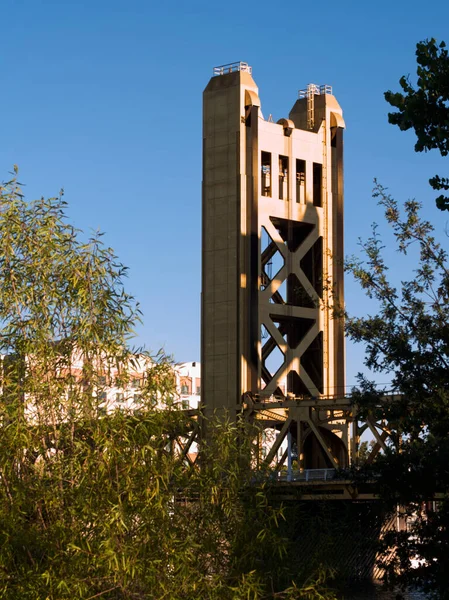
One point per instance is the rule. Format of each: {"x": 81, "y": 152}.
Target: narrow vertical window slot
{"x": 283, "y": 178}
{"x": 333, "y": 137}
{"x": 317, "y": 184}
{"x": 301, "y": 181}
{"x": 266, "y": 173}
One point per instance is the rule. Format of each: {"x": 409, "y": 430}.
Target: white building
{"x": 188, "y": 383}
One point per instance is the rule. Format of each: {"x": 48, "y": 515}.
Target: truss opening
{"x": 312, "y": 361}
{"x": 315, "y": 456}
{"x": 296, "y": 385}
{"x": 279, "y": 295}
{"x": 272, "y": 266}
{"x": 293, "y": 329}
{"x": 312, "y": 266}
{"x": 292, "y": 293}
{"x": 271, "y": 259}
{"x": 273, "y": 359}
{"x": 265, "y": 240}
{"x": 297, "y": 294}
{"x": 292, "y": 232}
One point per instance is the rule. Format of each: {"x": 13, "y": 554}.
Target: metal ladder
{"x": 312, "y": 89}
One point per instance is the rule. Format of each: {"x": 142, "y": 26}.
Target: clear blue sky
{"x": 104, "y": 99}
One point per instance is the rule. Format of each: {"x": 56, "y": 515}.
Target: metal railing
{"x": 267, "y": 399}
{"x": 312, "y": 88}
{"x": 307, "y": 475}
{"x": 232, "y": 68}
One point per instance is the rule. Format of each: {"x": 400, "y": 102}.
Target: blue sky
{"x": 104, "y": 99}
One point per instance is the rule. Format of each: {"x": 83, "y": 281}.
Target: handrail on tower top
{"x": 313, "y": 88}
{"x": 232, "y": 67}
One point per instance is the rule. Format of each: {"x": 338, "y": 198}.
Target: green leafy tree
{"x": 98, "y": 502}
{"x": 365, "y": 449}
{"x": 425, "y": 109}
{"x": 408, "y": 338}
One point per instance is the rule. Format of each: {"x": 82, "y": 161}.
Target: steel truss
{"x": 284, "y": 432}
{"x": 302, "y": 418}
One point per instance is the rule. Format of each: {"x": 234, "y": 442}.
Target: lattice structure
{"x": 290, "y": 302}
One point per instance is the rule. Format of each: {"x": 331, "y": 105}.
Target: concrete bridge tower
{"x": 273, "y": 262}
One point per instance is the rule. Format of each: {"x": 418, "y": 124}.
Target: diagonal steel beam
{"x": 378, "y": 437}
{"x": 323, "y": 444}
{"x": 376, "y": 448}
{"x": 185, "y": 448}
{"x": 282, "y": 459}
{"x": 279, "y": 439}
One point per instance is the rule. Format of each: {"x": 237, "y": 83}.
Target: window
{"x": 317, "y": 184}
{"x": 184, "y": 390}
{"x": 283, "y": 178}
{"x": 120, "y": 397}
{"x": 266, "y": 173}
{"x": 301, "y": 181}
{"x": 135, "y": 383}
{"x": 103, "y": 396}
{"x": 137, "y": 399}
{"x": 102, "y": 380}
{"x": 198, "y": 390}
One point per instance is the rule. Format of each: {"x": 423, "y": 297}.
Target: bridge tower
{"x": 272, "y": 251}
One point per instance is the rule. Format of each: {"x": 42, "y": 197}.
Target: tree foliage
{"x": 408, "y": 338}
{"x": 97, "y": 503}
{"x": 425, "y": 109}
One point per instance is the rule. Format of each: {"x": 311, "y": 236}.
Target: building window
{"x": 184, "y": 390}
{"x": 103, "y": 396}
{"x": 301, "y": 181}
{"x": 120, "y": 397}
{"x": 266, "y": 173}
{"x": 135, "y": 383}
{"x": 283, "y": 178}
{"x": 198, "y": 390}
{"x": 317, "y": 184}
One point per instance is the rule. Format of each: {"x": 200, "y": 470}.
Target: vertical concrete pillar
{"x": 230, "y": 241}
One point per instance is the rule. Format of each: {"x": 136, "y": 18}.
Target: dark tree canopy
{"x": 407, "y": 338}
{"x": 426, "y": 108}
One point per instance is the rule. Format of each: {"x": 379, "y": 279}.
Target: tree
{"x": 364, "y": 451}
{"x": 426, "y": 108}
{"x": 408, "y": 338}
{"x": 97, "y": 503}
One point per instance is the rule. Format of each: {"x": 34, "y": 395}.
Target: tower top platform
{"x": 232, "y": 68}
{"x": 315, "y": 89}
